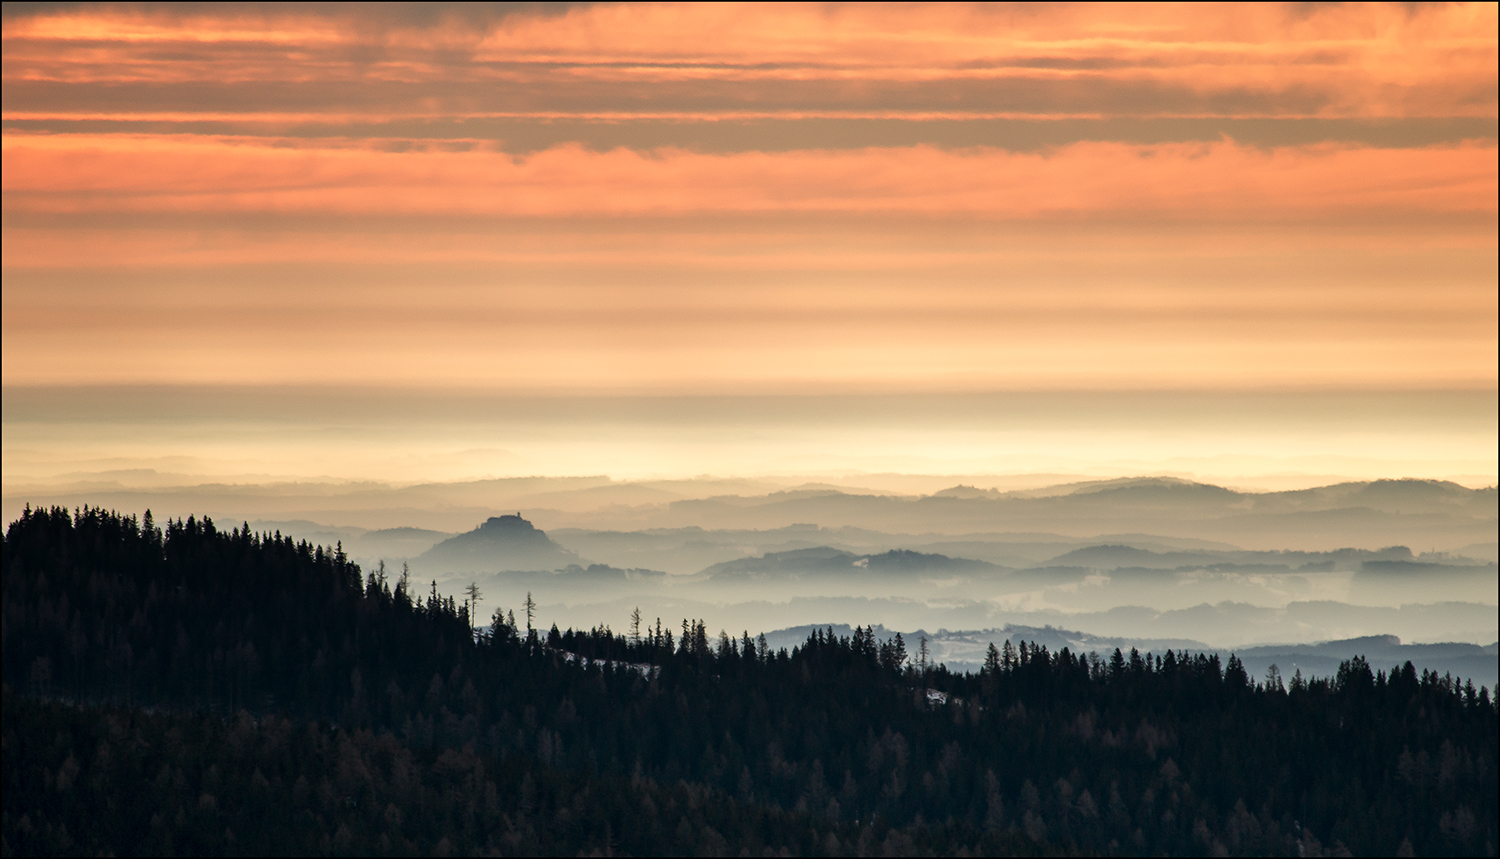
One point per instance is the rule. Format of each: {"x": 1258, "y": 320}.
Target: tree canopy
{"x": 187, "y": 689}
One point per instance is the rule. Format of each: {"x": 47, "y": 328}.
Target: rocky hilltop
{"x": 501, "y": 543}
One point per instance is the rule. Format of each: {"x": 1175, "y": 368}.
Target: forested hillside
{"x": 193, "y": 690}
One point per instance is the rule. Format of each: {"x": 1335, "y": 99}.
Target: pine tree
{"x": 991, "y": 660}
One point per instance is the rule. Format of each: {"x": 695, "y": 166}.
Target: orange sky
{"x": 725, "y": 200}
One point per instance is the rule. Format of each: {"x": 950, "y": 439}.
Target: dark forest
{"x": 186, "y": 690}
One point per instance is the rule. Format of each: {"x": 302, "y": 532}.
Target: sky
{"x": 409, "y": 242}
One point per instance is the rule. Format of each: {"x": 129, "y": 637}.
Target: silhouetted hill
{"x": 962, "y": 491}
{"x": 501, "y": 543}
{"x": 1489, "y": 551}
{"x": 1390, "y": 559}
{"x": 820, "y": 559}
{"x": 1368, "y": 514}
{"x": 396, "y": 542}
{"x": 1389, "y": 496}
{"x": 1420, "y": 568}
{"x": 1103, "y": 557}
{"x": 1158, "y": 491}
{"x": 596, "y": 582}
{"x": 907, "y": 561}
{"x": 827, "y": 561}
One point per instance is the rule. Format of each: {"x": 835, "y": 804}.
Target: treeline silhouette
{"x": 190, "y": 690}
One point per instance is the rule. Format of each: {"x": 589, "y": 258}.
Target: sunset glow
{"x": 667, "y": 200}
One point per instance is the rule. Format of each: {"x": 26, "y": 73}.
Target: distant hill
{"x": 1390, "y": 559}
{"x": 825, "y": 560}
{"x": 1484, "y": 551}
{"x": 501, "y": 543}
{"x": 1122, "y": 559}
{"x": 907, "y": 561}
{"x": 820, "y": 559}
{"x": 1424, "y": 513}
{"x": 395, "y": 542}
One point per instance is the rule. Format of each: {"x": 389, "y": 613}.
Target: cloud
{"x": 670, "y": 197}
{"x": 1253, "y": 60}
{"x": 145, "y": 173}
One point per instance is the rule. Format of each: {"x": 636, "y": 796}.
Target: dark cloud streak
{"x": 524, "y": 135}
{"x": 455, "y": 98}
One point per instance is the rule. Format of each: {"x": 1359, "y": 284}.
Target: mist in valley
{"x": 1388, "y": 568}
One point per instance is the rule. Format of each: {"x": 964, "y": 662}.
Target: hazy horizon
{"x": 1138, "y": 560}
{"x": 1254, "y": 439}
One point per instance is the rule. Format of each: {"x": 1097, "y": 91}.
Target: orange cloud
{"x": 210, "y": 195}
{"x": 1252, "y": 59}
{"x": 68, "y": 173}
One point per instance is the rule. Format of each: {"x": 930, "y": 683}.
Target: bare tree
{"x": 1273, "y": 678}
{"x": 473, "y": 601}
{"x": 530, "y": 614}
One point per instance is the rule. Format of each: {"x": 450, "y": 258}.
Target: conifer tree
{"x": 991, "y": 660}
